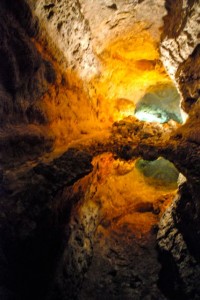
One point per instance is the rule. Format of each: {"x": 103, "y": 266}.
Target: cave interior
{"x": 100, "y": 149}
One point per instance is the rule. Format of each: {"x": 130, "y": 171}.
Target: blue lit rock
{"x": 159, "y": 104}
{"x": 160, "y": 170}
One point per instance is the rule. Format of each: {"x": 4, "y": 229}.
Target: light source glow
{"x": 159, "y": 104}
{"x": 148, "y": 117}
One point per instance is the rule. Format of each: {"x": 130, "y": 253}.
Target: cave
{"x": 100, "y": 149}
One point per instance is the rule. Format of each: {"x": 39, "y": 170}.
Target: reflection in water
{"x": 112, "y": 247}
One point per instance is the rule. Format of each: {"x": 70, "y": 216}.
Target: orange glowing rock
{"x": 120, "y": 197}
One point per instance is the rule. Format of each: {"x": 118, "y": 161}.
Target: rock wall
{"x": 66, "y": 32}
{"x": 110, "y": 21}
{"x": 111, "y": 46}
{"x": 84, "y": 29}
{"x": 41, "y": 103}
{"x": 181, "y": 34}
{"x": 180, "y": 47}
{"x": 33, "y": 223}
{"x": 178, "y": 236}
{"x": 24, "y": 77}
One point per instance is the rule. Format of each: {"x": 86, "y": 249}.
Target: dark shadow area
{"x": 169, "y": 281}
{"x": 187, "y": 220}
{"x": 28, "y": 265}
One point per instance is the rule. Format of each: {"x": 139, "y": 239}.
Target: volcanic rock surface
{"x": 77, "y": 218}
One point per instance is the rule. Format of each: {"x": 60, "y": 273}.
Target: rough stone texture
{"x": 179, "y": 232}
{"x": 181, "y": 33}
{"x": 110, "y": 20}
{"x": 35, "y": 213}
{"x": 111, "y": 252}
{"x": 180, "y": 48}
{"x": 113, "y": 47}
{"x": 23, "y": 79}
{"x": 38, "y": 104}
{"x": 185, "y": 281}
{"x": 34, "y": 191}
{"x": 35, "y": 198}
{"x": 23, "y": 70}
{"x": 66, "y": 31}
{"x": 188, "y": 79}
{"x": 83, "y": 30}
{"x": 32, "y": 223}
{"x": 35, "y": 210}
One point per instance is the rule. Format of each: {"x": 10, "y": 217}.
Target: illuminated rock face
{"x": 111, "y": 250}
{"x": 66, "y": 32}
{"x": 180, "y": 48}
{"x": 180, "y": 55}
{"x": 113, "y": 47}
{"x": 160, "y": 104}
{"x": 78, "y": 30}
{"x": 181, "y": 33}
{"x": 72, "y": 229}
